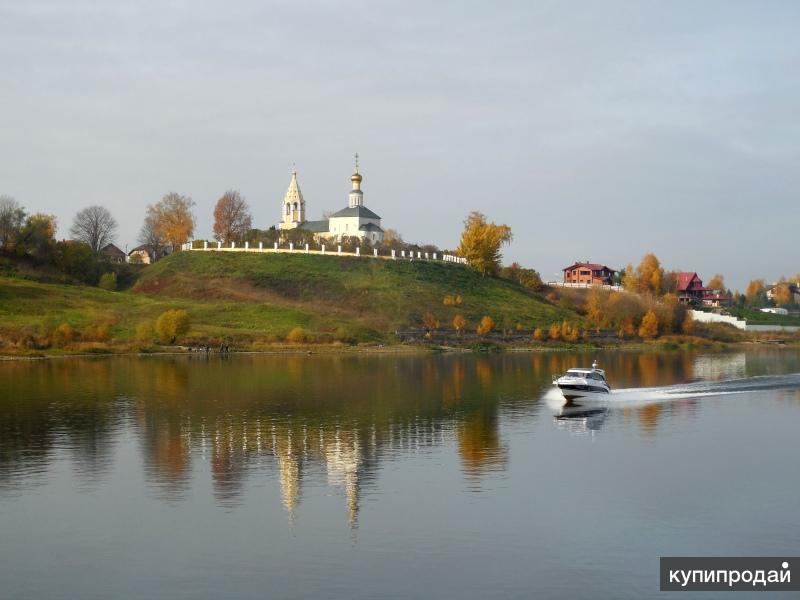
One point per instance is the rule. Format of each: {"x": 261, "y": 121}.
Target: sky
{"x": 596, "y": 130}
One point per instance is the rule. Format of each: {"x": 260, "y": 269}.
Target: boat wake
{"x": 628, "y": 396}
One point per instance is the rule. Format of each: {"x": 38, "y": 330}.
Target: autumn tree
{"x": 688, "y": 324}
{"x": 649, "y": 326}
{"x": 554, "y": 333}
{"x": 528, "y": 278}
{"x": 459, "y": 323}
{"x": 37, "y": 236}
{"x": 630, "y": 281}
{"x": 756, "y": 292}
{"x": 12, "y": 216}
{"x": 171, "y": 220}
{"x": 481, "y": 242}
{"x": 782, "y": 294}
{"x": 650, "y": 274}
{"x": 717, "y": 282}
{"x": 232, "y": 218}
{"x": 430, "y": 322}
{"x": 171, "y": 324}
{"x": 392, "y": 239}
{"x": 597, "y": 307}
{"x": 485, "y": 326}
{"x": 94, "y": 226}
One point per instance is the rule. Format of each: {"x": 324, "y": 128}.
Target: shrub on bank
{"x": 108, "y": 282}
{"x": 172, "y": 324}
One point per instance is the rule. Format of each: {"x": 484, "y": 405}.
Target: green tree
{"x": 77, "y": 260}
{"x": 37, "y": 237}
{"x": 12, "y": 216}
{"x": 481, "y": 242}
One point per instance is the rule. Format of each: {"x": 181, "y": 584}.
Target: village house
{"x": 112, "y": 254}
{"x": 588, "y": 273}
{"x": 355, "y": 220}
{"x": 145, "y": 255}
{"x": 692, "y": 291}
{"x": 794, "y": 292}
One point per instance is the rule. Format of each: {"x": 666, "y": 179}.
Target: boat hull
{"x": 573, "y": 391}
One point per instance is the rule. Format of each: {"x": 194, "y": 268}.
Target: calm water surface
{"x": 388, "y": 476}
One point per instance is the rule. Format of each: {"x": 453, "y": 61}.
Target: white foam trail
{"x": 633, "y": 396}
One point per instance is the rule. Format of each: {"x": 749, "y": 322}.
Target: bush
{"x": 459, "y": 323}
{"x": 555, "y": 331}
{"x": 538, "y": 335}
{"x": 144, "y": 332}
{"x": 97, "y": 332}
{"x": 63, "y": 334}
{"x": 171, "y": 324}
{"x": 486, "y": 325}
{"x": 298, "y": 335}
{"x": 108, "y": 281}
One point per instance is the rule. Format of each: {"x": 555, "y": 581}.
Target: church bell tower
{"x": 294, "y": 207}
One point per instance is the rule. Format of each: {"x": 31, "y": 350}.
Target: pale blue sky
{"x": 597, "y": 130}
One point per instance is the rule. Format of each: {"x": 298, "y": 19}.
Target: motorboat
{"x": 584, "y": 384}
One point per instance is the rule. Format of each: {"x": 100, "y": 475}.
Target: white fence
{"x": 708, "y": 317}
{"x": 333, "y": 250}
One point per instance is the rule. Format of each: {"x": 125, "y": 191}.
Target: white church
{"x": 354, "y": 220}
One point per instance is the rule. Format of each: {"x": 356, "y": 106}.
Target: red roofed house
{"x": 691, "y": 290}
{"x": 588, "y": 273}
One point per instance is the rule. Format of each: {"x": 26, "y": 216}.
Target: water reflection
{"x": 292, "y": 418}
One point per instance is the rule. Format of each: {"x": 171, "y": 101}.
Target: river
{"x": 366, "y": 476}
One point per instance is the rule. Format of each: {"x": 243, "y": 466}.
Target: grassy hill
{"x": 252, "y": 299}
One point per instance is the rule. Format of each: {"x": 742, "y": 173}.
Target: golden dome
{"x": 356, "y": 177}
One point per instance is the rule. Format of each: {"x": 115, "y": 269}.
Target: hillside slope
{"x": 251, "y": 300}
{"x": 381, "y": 294}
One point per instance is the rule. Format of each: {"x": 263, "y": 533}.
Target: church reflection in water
{"x": 330, "y": 420}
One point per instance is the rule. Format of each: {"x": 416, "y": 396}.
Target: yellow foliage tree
{"x": 755, "y": 288}
{"x": 717, "y": 282}
{"x": 459, "y": 323}
{"x": 171, "y": 324}
{"x": 538, "y": 335}
{"x": 569, "y": 332}
{"x": 649, "y": 326}
{"x": 481, "y": 242}
{"x": 172, "y": 218}
{"x": 688, "y": 324}
{"x": 651, "y": 275}
{"x": 782, "y": 294}
{"x": 554, "y": 333}
{"x": 485, "y": 326}
{"x": 597, "y": 307}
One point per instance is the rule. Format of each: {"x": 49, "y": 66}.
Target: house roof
{"x": 684, "y": 279}
{"x": 112, "y": 249}
{"x": 142, "y": 248}
{"x": 588, "y": 265}
{"x": 315, "y": 226}
{"x": 370, "y": 227}
{"x": 356, "y": 211}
